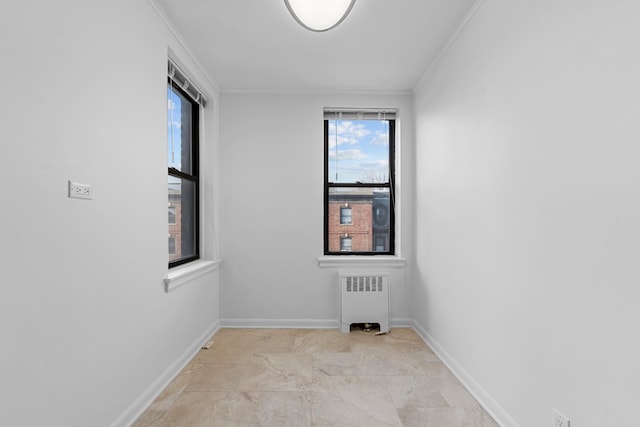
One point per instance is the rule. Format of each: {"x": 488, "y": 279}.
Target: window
{"x": 183, "y": 112}
{"x": 172, "y": 245}
{"x": 379, "y": 215}
{"x": 359, "y": 170}
{"x": 172, "y": 214}
{"x": 345, "y": 215}
{"x": 345, "y": 244}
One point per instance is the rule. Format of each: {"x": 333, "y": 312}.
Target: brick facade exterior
{"x": 359, "y": 230}
{"x": 175, "y": 228}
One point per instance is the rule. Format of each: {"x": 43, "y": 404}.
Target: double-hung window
{"x": 359, "y": 175}
{"x": 183, "y": 112}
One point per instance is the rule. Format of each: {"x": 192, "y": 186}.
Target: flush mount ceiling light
{"x": 319, "y": 15}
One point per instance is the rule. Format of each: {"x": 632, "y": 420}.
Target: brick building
{"x": 358, "y": 220}
{"x": 175, "y": 219}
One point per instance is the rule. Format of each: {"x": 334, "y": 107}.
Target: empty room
{"x": 252, "y": 213}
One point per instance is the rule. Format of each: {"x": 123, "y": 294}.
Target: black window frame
{"x": 191, "y": 231}
{"x": 390, "y": 184}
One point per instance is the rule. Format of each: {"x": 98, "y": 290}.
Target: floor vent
{"x": 364, "y": 298}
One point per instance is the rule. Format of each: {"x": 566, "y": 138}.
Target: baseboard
{"x": 136, "y": 409}
{"x": 299, "y": 323}
{"x": 480, "y": 394}
{"x": 400, "y": 322}
{"x": 280, "y": 323}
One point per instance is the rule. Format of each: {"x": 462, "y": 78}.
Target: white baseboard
{"x": 480, "y": 394}
{"x": 280, "y": 323}
{"x": 400, "y": 322}
{"x": 299, "y": 323}
{"x": 136, "y": 409}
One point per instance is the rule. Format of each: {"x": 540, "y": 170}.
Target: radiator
{"x": 364, "y": 298}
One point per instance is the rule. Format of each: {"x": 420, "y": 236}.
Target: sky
{"x": 358, "y": 151}
{"x": 173, "y": 129}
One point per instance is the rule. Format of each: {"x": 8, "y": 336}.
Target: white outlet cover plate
{"x": 80, "y": 191}
{"x": 560, "y": 420}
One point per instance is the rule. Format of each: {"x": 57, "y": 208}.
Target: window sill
{"x": 355, "y": 261}
{"x": 184, "y": 274}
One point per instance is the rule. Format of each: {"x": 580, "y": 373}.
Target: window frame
{"x": 194, "y": 176}
{"x": 390, "y": 185}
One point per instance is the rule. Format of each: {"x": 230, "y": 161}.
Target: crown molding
{"x": 458, "y": 31}
{"x": 183, "y": 44}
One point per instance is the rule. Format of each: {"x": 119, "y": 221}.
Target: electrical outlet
{"x": 80, "y": 191}
{"x": 560, "y": 420}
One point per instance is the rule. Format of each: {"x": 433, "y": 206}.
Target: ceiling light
{"x": 319, "y": 15}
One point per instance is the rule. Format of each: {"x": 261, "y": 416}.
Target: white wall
{"x": 272, "y": 215}
{"x": 87, "y": 333}
{"x": 527, "y": 231}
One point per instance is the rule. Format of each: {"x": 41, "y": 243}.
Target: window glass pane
{"x": 182, "y": 198}
{"x": 370, "y": 220}
{"x": 172, "y": 214}
{"x": 358, "y": 151}
{"x": 179, "y": 131}
{"x": 345, "y": 215}
{"x": 345, "y": 244}
{"x": 380, "y": 214}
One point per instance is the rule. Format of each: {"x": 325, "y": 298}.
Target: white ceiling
{"x": 383, "y": 45}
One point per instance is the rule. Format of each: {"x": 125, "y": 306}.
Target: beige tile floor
{"x": 300, "y": 377}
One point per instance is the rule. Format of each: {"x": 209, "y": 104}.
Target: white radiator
{"x": 364, "y": 298}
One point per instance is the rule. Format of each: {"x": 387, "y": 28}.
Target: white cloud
{"x": 347, "y": 132}
{"x": 381, "y": 138}
{"x": 353, "y": 154}
{"x": 372, "y": 166}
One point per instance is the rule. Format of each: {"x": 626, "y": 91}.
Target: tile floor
{"x": 299, "y": 377}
